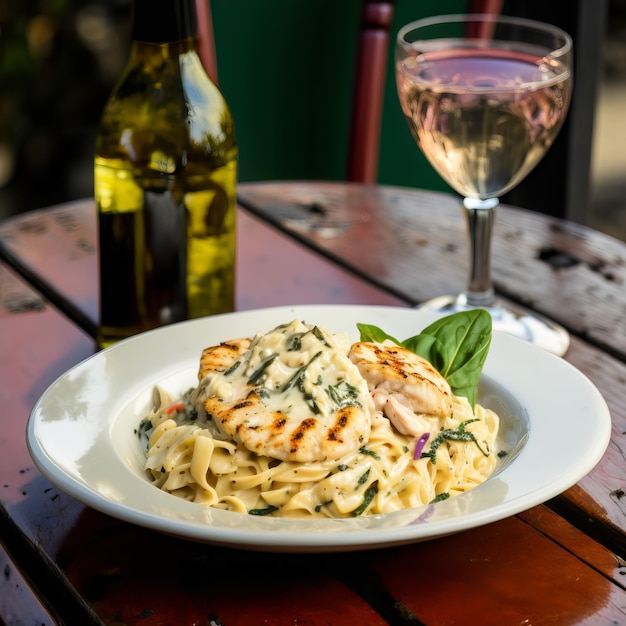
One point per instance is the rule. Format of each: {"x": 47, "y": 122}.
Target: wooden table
{"x": 561, "y": 563}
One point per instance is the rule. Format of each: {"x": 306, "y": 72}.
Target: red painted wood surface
{"x": 536, "y": 568}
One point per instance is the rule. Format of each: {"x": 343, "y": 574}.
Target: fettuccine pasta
{"x": 191, "y": 457}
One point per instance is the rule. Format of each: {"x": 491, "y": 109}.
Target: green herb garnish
{"x": 440, "y": 498}
{"x": 259, "y": 374}
{"x": 343, "y": 394}
{"x": 294, "y": 342}
{"x": 144, "y": 426}
{"x": 364, "y": 450}
{"x": 266, "y": 511}
{"x": 297, "y": 378}
{"x": 370, "y": 494}
{"x": 321, "y": 505}
{"x": 232, "y": 368}
{"x": 309, "y": 398}
{"x": 319, "y": 335}
{"x": 452, "y": 434}
{"x": 363, "y": 478}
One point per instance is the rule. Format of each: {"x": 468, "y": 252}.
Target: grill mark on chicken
{"x": 221, "y": 357}
{"x": 271, "y": 433}
{"x": 248, "y": 418}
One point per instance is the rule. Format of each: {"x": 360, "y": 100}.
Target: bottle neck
{"x": 164, "y": 21}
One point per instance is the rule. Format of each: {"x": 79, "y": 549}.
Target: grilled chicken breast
{"x": 291, "y": 394}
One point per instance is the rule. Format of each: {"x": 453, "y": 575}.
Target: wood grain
{"x": 413, "y": 244}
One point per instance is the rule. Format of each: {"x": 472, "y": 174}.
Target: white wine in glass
{"x": 485, "y": 96}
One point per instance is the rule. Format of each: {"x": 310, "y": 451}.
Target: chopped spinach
{"x": 266, "y": 511}
{"x": 440, "y": 498}
{"x": 370, "y": 494}
{"x": 259, "y": 374}
{"x": 452, "y": 434}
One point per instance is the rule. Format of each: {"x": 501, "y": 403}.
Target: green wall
{"x": 286, "y": 68}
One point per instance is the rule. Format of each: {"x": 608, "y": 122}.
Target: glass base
{"x": 532, "y": 327}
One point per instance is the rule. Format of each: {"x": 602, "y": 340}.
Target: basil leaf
{"x": 374, "y": 334}
{"x": 456, "y": 345}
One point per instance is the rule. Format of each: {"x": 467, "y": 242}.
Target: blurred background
{"x": 59, "y": 60}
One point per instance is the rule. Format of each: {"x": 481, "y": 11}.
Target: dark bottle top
{"x": 161, "y": 21}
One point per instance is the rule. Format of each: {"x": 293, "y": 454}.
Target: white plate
{"x": 80, "y": 434}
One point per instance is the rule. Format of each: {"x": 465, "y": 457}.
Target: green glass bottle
{"x": 164, "y": 182}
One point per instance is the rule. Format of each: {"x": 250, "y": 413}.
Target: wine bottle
{"x": 164, "y": 182}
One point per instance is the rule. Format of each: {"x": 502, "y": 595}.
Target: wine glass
{"x": 485, "y": 96}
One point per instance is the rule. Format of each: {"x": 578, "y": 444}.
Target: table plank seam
{"x": 44, "y": 577}
{"x": 600, "y": 531}
{"x": 66, "y": 307}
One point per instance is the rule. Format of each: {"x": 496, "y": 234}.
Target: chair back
{"x": 206, "y": 39}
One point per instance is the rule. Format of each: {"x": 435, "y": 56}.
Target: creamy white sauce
{"x": 309, "y": 375}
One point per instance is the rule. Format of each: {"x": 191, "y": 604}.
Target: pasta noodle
{"x": 189, "y": 458}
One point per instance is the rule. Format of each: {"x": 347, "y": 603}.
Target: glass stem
{"x": 479, "y": 215}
